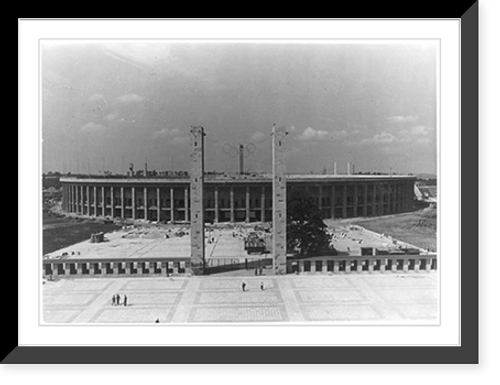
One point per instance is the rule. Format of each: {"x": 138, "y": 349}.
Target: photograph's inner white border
{"x": 448, "y": 330}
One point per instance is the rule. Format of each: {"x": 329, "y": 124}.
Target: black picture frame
{"x": 467, "y": 352}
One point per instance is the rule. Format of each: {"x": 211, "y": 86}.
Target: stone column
{"x": 344, "y": 203}
{"x": 67, "y": 266}
{"x": 158, "y": 204}
{"x": 279, "y": 199}
{"x": 365, "y": 200}
{"x": 336, "y": 266}
{"x": 133, "y": 202}
{"x": 145, "y": 202}
{"x": 355, "y": 200}
{"x": 163, "y": 268}
{"x": 216, "y": 203}
{"x": 416, "y": 265}
{"x": 370, "y": 265}
{"x": 81, "y": 200}
{"x": 383, "y": 264}
{"x": 122, "y": 199}
{"x": 70, "y": 190}
{"x": 263, "y": 204}
{"x": 103, "y": 201}
{"x": 231, "y": 203}
{"x": 70, "y": 198}
{"x": 359, "y": 266}
{"x": 428, "y": 264}
{"x": 247, "y": 204}
{"x": 196, "y": 184}
{"x": 95, "y": 200}
{"x": 186, "y": 204}
{"x": 112, "y": 201}
{"x": 77, "y": 199}
{"x": 92, "y": 269}
{"x": 86, "y": 199}
{"x": 172, "y": 206}
{"x": 55, "y": 271}
{"x": 333, "y": 201}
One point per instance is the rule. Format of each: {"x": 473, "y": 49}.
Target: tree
{"x": 306, "y": 230}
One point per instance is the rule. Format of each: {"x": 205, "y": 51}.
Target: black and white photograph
{"x": 242, "y": 191}
{"x": 240, "y": 181}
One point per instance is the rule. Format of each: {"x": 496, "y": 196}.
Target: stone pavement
{"x": 368, "y": 298}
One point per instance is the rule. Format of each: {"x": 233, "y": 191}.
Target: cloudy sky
{"x": 106, "y": 104}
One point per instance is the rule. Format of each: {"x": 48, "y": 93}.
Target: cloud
{"x": 96, "y": 98}
{"x": 258, "y": 137}
{"x": 93, "y": 127}
{"x": 420, "y": 130}
{"x": 310, "y": 134}
{"x": 383, "y": 137}
{"x": 166, "y": 133}
{"x": 417, "y": 134}
{"x": 340, "y": 134}
{"x": 403, "y": 119}
{"x": 110, "y": 117}
{"x": 131, "y": 98}
{"x": 180, "y": 140}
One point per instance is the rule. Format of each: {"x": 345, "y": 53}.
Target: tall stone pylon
{"x": 279, "y": 200}
{"x": 196, "y": 200}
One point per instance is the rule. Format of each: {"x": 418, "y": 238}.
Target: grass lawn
{"x": 418, "y": 228}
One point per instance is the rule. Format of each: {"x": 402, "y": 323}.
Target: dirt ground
{"x": 68, "y": 232}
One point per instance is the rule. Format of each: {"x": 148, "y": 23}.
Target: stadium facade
{"x": 234, "y": 198}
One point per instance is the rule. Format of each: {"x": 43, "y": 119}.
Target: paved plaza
{"x": 370, "y": 298}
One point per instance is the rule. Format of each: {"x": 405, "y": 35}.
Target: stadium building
{"x": 233, "y": 198}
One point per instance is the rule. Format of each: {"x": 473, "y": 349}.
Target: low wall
{"x": 130, "y": 267}
{"x": 358, "y": 264}
{"x": 222, "y": 265}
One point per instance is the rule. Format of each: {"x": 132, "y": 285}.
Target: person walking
{"x": 124, "y": 300}
{"x": 261, "y": 285}
{"x": 256, "y": 272}
{"x": 113, "y": 299}
{"x": 118, "y": 299}
{"x": 243, "y": 285}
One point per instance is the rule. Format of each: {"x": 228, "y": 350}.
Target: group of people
{"x": 244, "y": 285}
{"x": 115, "y": 300}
